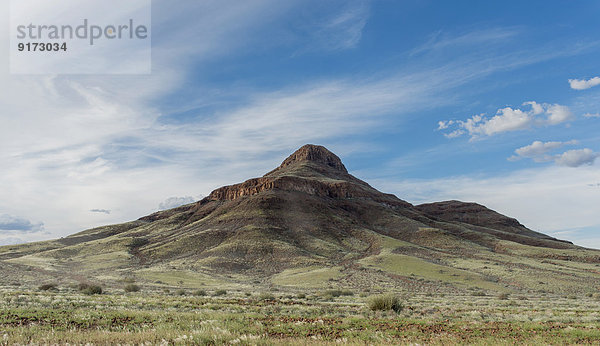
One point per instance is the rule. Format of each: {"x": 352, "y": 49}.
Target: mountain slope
{"x": 309, "y": 222}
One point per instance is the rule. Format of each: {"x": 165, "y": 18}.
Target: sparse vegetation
{"x": 266, "y": 296}
{"x": 90, "y": 289}
{"x": 386, "y": 302}
{"x": 200, "y": 293}
{"x": 48, "y": 287}
{"x": 27, "y": 317}
{"x": 136, "y": 243}
{"x": 337, "y": 293}
{"x": 132, "y": 288}
{"x": 220, "y": 293}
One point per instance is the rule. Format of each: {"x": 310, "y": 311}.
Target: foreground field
{"x": 326, "y": 317}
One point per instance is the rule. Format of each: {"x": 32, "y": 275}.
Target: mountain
{"x": 310, "y": 223}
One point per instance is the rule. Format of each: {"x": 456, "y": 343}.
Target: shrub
{"x": 220, "y": 293}
{"x": 478, "y": 294}
{"x": 503, "y": 296}
{"x": 180, "y": 292}
{"x": 247, "y": 294}
{"x": 386, "y": 302}
{"x": 90, "y": 289}
{"x": 132, "y": 288}
{"x": 266, "y": 296}
{"x": 333, "y": 293}
{"x": 48, "y": 287}
{"x": 200, "y": 293}
{"x": 301, "y": 296}
{"x": 136, "y": 243}
{"x": 338, "y": 293}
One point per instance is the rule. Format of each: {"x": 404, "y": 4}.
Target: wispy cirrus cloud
{"x": 508, "y": 119}
{"x": 340, "y": 28}
{"x": 582, "y": 84}
{"x": 344, "y": 30}
{"x": 440, "y": 40}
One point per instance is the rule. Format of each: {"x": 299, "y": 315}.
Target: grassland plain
{"x": 279, "y": 316}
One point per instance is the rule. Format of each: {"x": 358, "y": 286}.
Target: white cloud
{"x": 536, "y": 108}
{"x": 538, "y": 151}
{"x": 577, "y": 158}
{"x": 174, "y": 202}
{"x": 592, "y": 115}
{"x": 538, "y": 148}
{"x": 442, "y": 125}
{"x": 582, "y": 84}
{"x": 454, "y": 134}
{"x": 508, "y": 119}
{"x": 558, "y": 114}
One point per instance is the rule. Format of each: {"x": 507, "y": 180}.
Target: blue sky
{"x": 493, "y": 102}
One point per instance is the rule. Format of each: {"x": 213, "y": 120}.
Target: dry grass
{"x": 67, "y": 316}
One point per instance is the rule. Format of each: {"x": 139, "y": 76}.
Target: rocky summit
{"x": 310, "y": 223}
